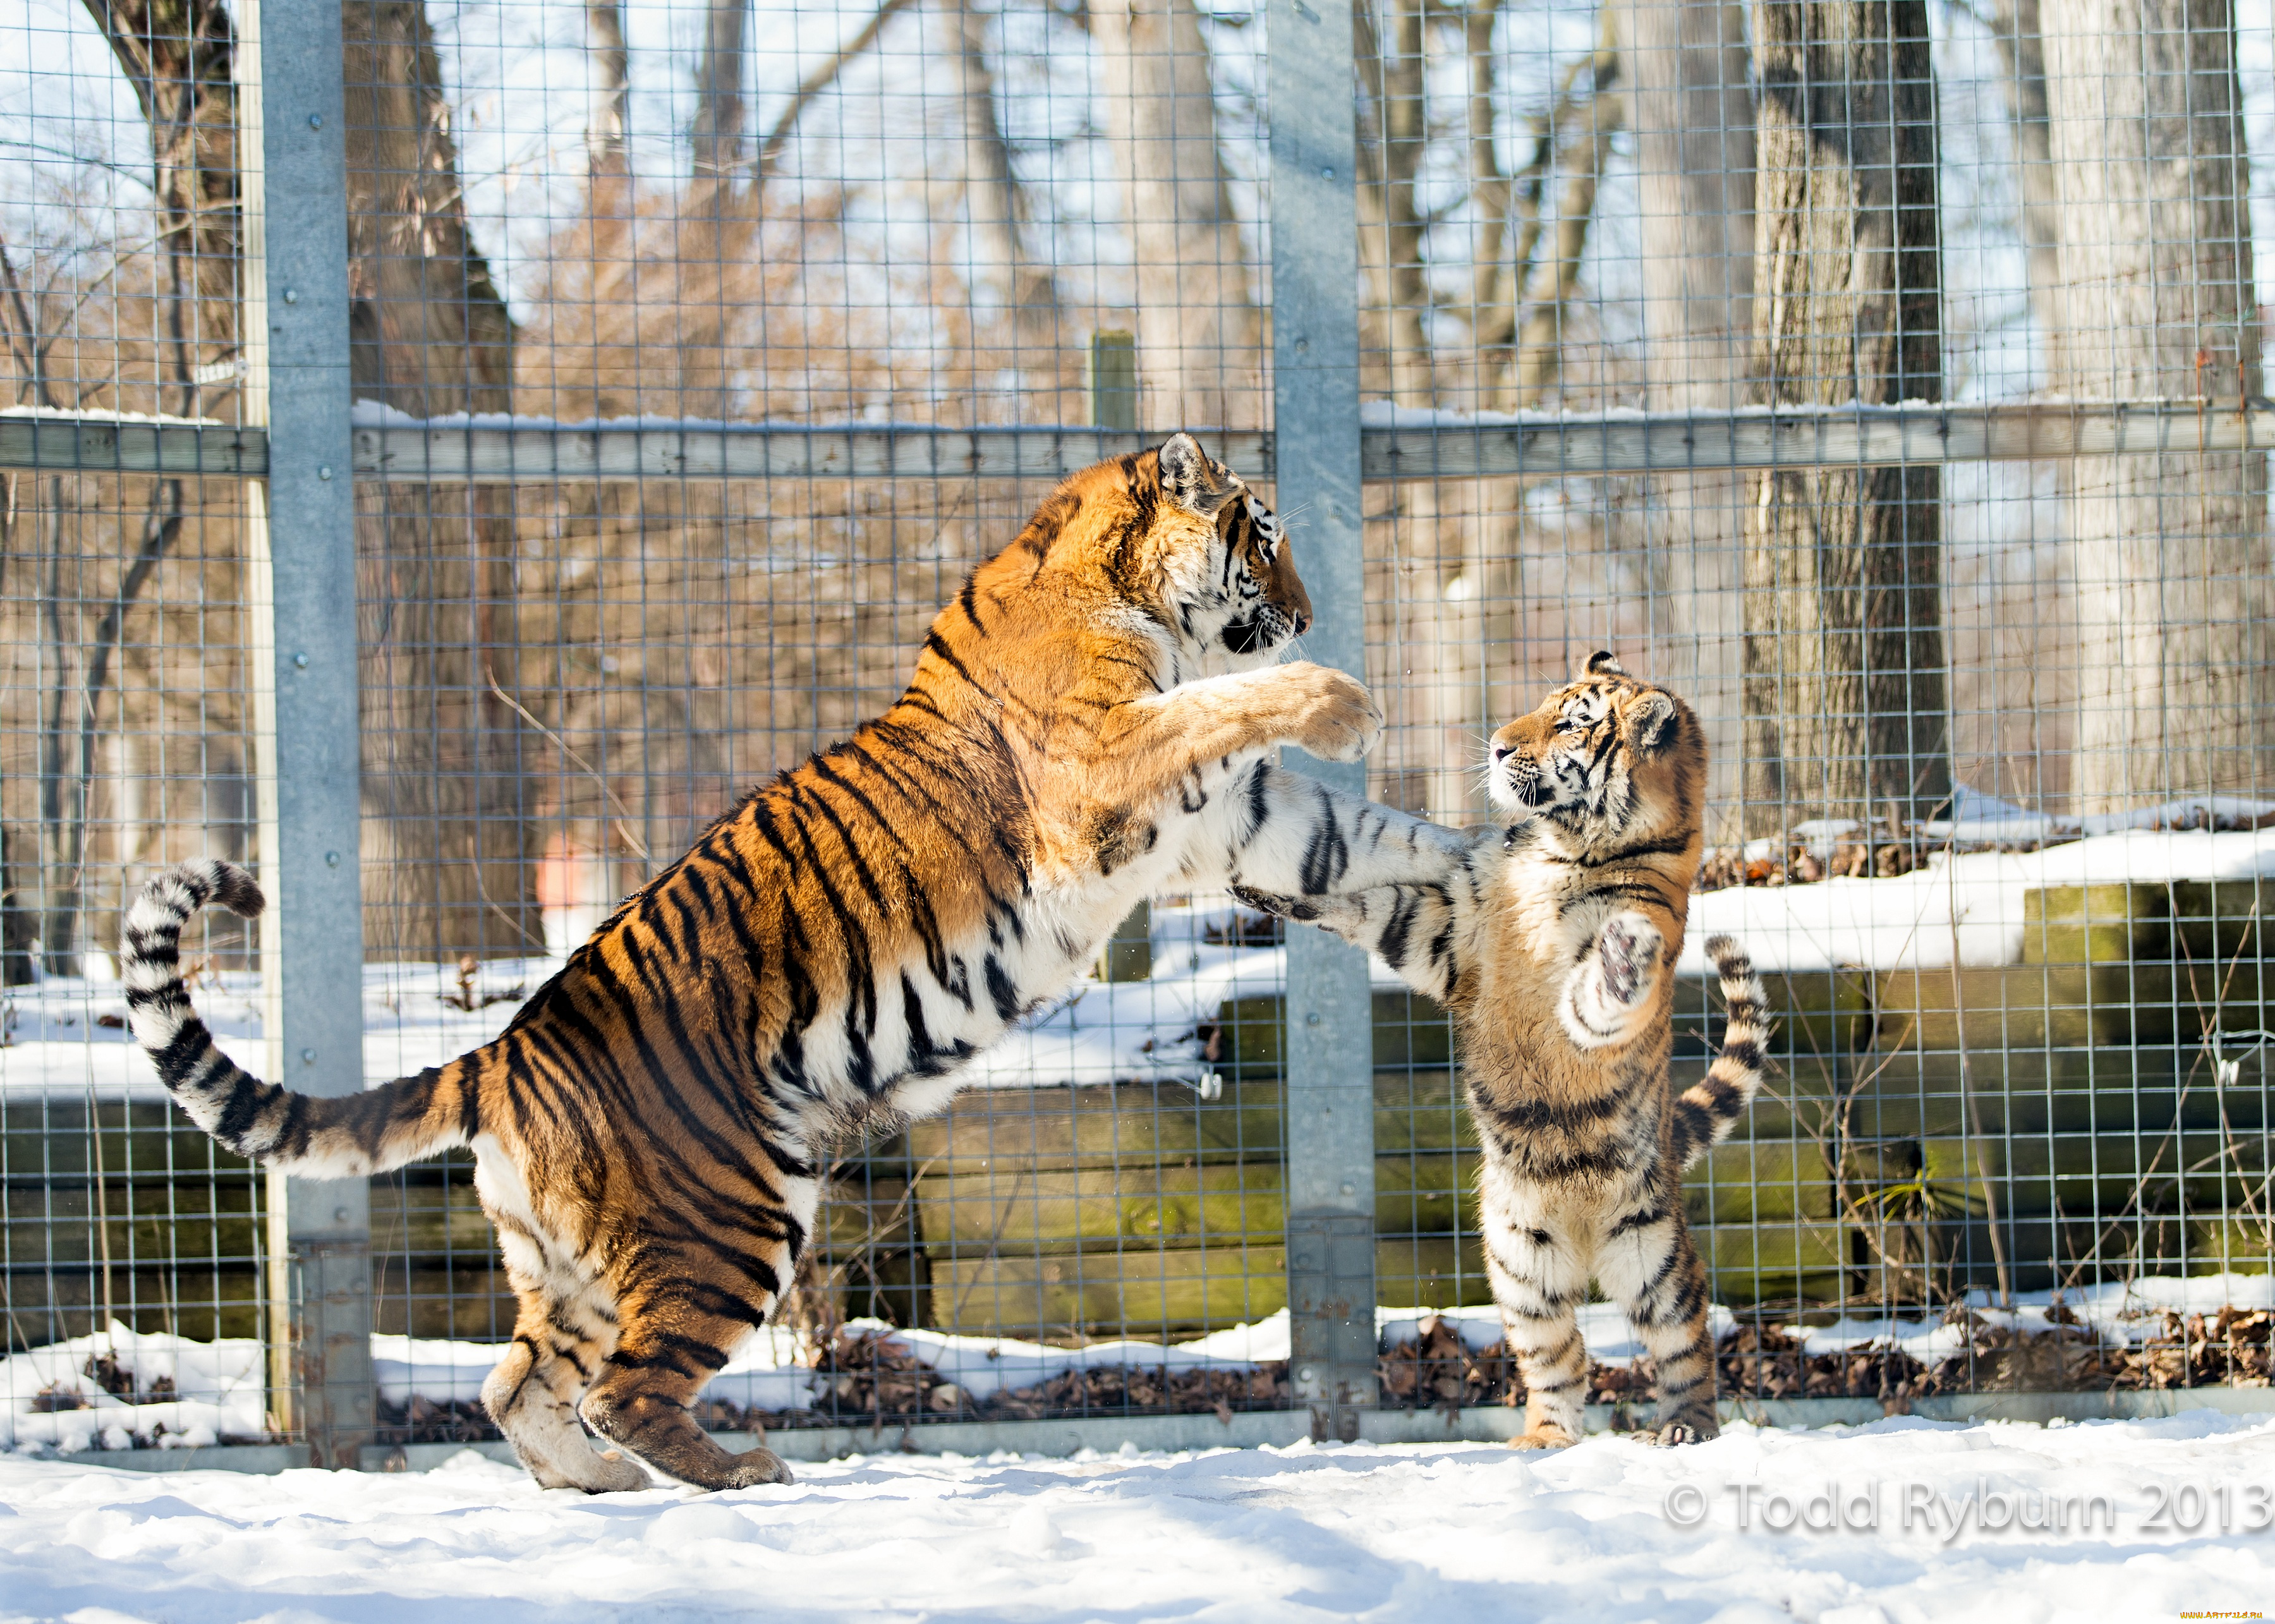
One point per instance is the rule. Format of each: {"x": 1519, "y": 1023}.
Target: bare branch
{"x": 820, "y": 79}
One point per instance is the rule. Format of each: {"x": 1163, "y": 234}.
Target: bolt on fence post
{"x": 300, "y": 546}
{"x": 1329, "y": 1049}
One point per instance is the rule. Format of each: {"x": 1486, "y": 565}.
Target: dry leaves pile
{"x": 1799, "y": 866}
{"x": 870, "y": 1377}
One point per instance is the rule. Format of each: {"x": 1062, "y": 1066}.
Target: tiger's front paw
{"x": 1279, "y": 907}
{"x": 1627, "y": 949}
{"x": 1335, "y": 719}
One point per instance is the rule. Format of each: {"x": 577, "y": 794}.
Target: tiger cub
{"x": 1553, "y": 944}
{"x": 1092, "y": 719}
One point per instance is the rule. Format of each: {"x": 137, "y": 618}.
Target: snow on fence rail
{"x": 1394, "y": 444}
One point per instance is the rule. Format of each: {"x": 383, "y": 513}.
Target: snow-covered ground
{"x": 1924, "y": 1520}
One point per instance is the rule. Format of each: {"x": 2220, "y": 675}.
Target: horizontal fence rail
{"x": 1410, "y": 445}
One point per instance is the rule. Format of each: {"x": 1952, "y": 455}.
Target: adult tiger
{"x": 1091, "y": 719}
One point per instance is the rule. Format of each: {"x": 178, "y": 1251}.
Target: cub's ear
{"x": 1602, "y": 664}
{"x": 1190, "y": 479}
{"x": 1653, "y": 723}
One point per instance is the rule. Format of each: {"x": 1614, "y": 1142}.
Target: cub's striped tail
{"x": 344, "y": 1137}
{"x": 1705, "y": 1113}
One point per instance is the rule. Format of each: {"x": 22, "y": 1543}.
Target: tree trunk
{"x": 443, "y": 792}
{"x": 1844, "y": 657}
{"x": 2023, "y": 57}
{"x": 610, "y": 63}
{"x": 720, "y": 107}
{"x": 1394, "y": 347}
{"x": 2168, "y": 553}
{"x": 995, "y": 208}
{"x": 1684, "y": 65}
{"x": 179, "y": 56}
{"x": 1200, "y": 338}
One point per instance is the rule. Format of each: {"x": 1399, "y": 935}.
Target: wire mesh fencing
{"x": 1883, "y": 378}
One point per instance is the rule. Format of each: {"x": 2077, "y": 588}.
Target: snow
{"x": 220, "y": 1387}
{"x": 1610, "y": 1529}
{"x": 1972, "y": 900}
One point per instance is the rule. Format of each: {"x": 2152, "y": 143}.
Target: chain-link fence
{"x": 454, "y": 452}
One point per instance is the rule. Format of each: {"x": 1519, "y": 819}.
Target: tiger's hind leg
{"x": 1539, "y": 1278}
{"x": 644, "y": 1395}
{"x": 532, "y": 1396}
{"x": 1651, "y": 1269}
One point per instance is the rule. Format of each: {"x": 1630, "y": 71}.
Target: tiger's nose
{"x": 1303, "y": 621}
{"x": 1499, "y": 754}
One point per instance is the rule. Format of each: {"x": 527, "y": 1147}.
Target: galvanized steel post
{"x": 301, "y": 544}
{"x": 1329, "y": 1048}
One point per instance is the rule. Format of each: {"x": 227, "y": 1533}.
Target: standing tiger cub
{"x": 1091, "y": 721}
{"x": 1554, "y": 945}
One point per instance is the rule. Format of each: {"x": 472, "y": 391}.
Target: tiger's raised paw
{"x": 1629, "y": 950}
{"x": 1336, "y": 719}
{"x": 1679, "y": 1432}
{"x": 1278, "y": 906}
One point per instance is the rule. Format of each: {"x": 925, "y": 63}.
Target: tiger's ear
{"x": 1601, "y": 663}
{"x": 1190, "y": 479}
{"x": 1651, "y": 724}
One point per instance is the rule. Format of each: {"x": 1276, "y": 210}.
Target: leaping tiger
{"x": 1091, "y": 721}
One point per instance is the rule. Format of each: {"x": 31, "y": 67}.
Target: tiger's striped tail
{"x": 345, "y": 1137}
{"x": 1705, "y": 1111}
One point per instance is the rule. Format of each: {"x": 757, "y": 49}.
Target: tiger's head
{"x": 1604, "y": 757}
{"x": 1184, "y": 541}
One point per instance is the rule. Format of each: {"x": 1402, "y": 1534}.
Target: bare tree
{"x": 995, "y": 204}
{"x": 2016, "y": 31}
{"x": 609, "y": 93}
{"x": 2169, "y": 554}
{"x": 1684, "y": 65}
{"x": 179, "y": 55}
{"x": 1200, "y": 334}
{"x": 1394, "y": 343}
{"x": 720, "y": 107}
{"x": 1844, "y": 659}
{"x": 443, "y": 785}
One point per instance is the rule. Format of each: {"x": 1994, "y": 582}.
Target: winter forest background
{"x": 922, "y": 212}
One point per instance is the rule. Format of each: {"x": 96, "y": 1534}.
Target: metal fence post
{"x": 302, "y": 545}
{"x": 1329, "y": 1048}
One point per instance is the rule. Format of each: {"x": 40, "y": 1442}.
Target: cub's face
{"x": 1601, "y": 753}
{"x": 1230, "y": 578}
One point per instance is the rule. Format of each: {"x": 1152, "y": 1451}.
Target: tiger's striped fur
{"x": 1552, "y": 943}
{"x": 1092, "y": 719}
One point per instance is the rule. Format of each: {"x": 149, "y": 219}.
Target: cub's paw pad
{"x": 1629, "y": 950}
{"x": 1676, "y": 1434}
